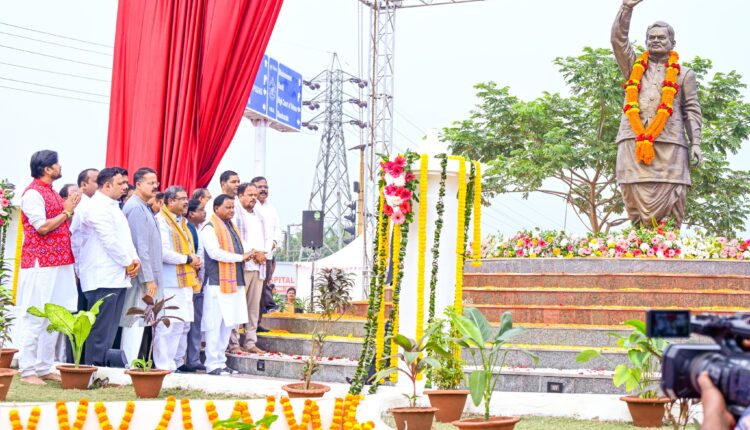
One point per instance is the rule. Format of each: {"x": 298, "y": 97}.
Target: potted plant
{"x": 147, "y": 381}
{"x": 333, "y": 286}
{"x": 6, "y": 354}
{"x": 640, "y": 375}
{"x": 77, "y": 328}
{"x": 486, "y": 349}
{"x": 447, "y": 378}
{"x": 411, "y": 417}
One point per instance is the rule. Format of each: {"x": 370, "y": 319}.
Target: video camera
{"x": 727, "y": 361}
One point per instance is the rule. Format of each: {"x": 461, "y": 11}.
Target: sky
{"x": 441, "y": 52}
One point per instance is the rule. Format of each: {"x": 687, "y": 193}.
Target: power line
{"x": 421, "y": 130}
{"x": 53, "y": 95}
{"x": 56, "y": 44}
{"x": 53, "y": 87}
{"x": 55, "y": 57}
{"x": 54, "y": 72}
{"x": 56, "y": 35}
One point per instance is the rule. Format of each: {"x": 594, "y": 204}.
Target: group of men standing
{"x": 212, "y": 270}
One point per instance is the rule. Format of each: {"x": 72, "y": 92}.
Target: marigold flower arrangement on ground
{"x": 661, "y": 242}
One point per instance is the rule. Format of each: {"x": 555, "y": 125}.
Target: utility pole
{"x": 331, "y": 187}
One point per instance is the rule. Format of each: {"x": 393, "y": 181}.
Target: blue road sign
{"x": 277, "y": 96}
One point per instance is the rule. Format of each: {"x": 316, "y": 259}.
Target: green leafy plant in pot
{"x": 640, "y": 375}
{"x": 446, "y": 378}
{"x": 333, "y": 293}
{"x": 486, "y": 348}
{"x": 6, "y": 356}
{"x": 147, "y": 381}
{"x": 415, "y": 361}
{"x": 77, "y": 328}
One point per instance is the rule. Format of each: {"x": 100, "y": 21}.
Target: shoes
{"x": 33, "y": 380}
{"x": 262, "y": 329}
{"x": 223, "y": 372}
{"x": 186, "y": 369}
{"x": 255, "y": 350}
{"x": 51, "y": 377}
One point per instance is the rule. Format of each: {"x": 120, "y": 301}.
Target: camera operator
{"x": 715, "y": 413}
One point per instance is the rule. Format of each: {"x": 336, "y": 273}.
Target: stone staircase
{"x": 566, "y": 305}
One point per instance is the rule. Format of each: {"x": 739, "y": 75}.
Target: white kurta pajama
{"x": 170, "y": 342}
{"x": 221, "y": 311}
{"x": 37, "y": 286}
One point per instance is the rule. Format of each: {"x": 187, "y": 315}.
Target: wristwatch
{"x": 189, "y": 259}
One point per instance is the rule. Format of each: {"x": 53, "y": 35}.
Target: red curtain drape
{"x": 183, "y": 71}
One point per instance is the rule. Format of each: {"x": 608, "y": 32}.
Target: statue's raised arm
{"x": 623, "y": 50}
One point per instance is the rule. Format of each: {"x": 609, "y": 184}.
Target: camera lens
{"x": 730, "y": 375}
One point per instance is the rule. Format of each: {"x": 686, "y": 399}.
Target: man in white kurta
{"x": 223, "y": 305}
{"x": 180, "y": 266}
{"x": 46, "y": 274}
{"x": 274, "y": 236}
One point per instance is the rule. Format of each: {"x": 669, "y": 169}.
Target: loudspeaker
{"x": 312, "y": 229}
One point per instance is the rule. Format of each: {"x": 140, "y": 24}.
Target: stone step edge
{"x": 491, "y": 289}
{"x": 714, "y": 309}
{"x": 509, "y": 346}
{"x": 312, "y": 317}
{"x": 624, "y": 274}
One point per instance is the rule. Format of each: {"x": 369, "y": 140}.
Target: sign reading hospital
{"x": 276, "y": 96}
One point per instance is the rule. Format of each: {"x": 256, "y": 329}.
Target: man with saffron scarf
{"x": 179, "y": 279}
{"x": 654, "y": 183}
{"x": 224, "y": 305}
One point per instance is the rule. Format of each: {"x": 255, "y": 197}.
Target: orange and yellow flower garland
{"x": 645, "y": 137}
{"x": 166, "y": 417}
{"x": 396, "y": 262}
{"x": 421, "y": 245}
{"x": 476, "y": 249}
{"x": 187, "y": 416}
{"x": 460, "y": 219}
{"x": 15, "y": 419}
{"x": 81, "y": 413}
{"x": 101, "y": 414}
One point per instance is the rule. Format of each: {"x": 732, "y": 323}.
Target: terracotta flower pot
{"x": 75, "y": 378}
{"x": 297, "y": 390}
{"x": 646, "y": 412}
{"x": 6, "y": 357}
{"x": 450, "y": 403}
{"x": 495, "y": 423}
{"x": 147, "y": 385}
{"x": 6, "y": 377}
{"x": 419, "y": 418}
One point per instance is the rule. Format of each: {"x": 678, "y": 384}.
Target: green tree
{"x": 565, "y": 145}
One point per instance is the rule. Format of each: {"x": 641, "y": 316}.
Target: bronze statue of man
{"x": 655, "y": 189}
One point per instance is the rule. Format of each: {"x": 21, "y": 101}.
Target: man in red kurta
{"x": 46, "y": 274}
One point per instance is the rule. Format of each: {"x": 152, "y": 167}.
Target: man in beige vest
{"x": 656, "y": 191}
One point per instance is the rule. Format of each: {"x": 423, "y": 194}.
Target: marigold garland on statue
{"x": 645, "y": 136}
{"x": 476, "y": 249}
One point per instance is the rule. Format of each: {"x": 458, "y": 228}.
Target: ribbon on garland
{"x": 476, "y": 249}
{"x": 394, "y": 329}
{"x": 17, "y": 258}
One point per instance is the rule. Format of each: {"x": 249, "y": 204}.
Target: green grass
{"x": 52, "y": 392}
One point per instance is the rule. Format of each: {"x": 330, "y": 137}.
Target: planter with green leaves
{"x": 448, "y": 376}
{"x": 6, "y": 320}
{"x": 77, "y": 328}
{"x": 486, "y": 348}
{"x": 333, "y": 292}
{"x": 640, "y": 376}
{"x": 415, "y": 361}
{"x": 147, "y": 381}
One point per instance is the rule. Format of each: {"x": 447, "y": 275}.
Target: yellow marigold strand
{"x": 213, "y": 416}
{"x": 476, "y": 249}
{"x": 101, "y": 414}
{"x": 289, "y": 413}
{"x": 396, "y": 262}
{"x": 380, "y": 333}
{"x": 15, "y": 419}
{"x": 187, "y": 418}
{"x": 167, "y": 415}
{"x": 270, "y": 408}
{"x": 460, "y": 221}
{"x": 421, "y": 243}
{"x": 338, "y": 415}
{"x": 17, "y": 262}
{"x": 62, "y": 415}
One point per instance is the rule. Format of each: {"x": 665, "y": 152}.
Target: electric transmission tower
{"x": 381, "y": 72}
{"x": 331, "y": 192}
